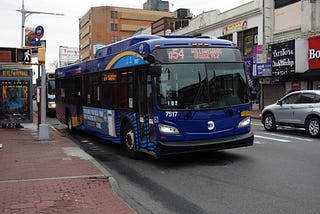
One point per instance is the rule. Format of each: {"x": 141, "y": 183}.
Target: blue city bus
{"x": 161, "y": 95}
{"x": 50, "y": 92}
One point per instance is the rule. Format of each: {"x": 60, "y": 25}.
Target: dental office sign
{"x": 314, "y": 52}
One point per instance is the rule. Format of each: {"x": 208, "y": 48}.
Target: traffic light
{"x": 41, "y": 55}
{"x": 24, "y": 54}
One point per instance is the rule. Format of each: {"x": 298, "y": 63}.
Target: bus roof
{"x": 162, "y": 41}
{"x": 133, "y": 49}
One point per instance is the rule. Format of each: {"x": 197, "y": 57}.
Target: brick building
{"x": 107, "y": 24}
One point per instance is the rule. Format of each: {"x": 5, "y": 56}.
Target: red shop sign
{"x": 314, "y": 52}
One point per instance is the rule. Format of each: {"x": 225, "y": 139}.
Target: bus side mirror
{"x": 150, "y": 59}
{"x": 155, "y": 70}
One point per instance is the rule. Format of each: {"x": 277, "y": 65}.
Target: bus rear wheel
{"x": 128, "y": 142}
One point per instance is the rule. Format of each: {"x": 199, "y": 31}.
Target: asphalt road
{"x": 279, "y": 174}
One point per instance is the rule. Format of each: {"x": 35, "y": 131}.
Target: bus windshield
{"x": 51, "y": 87}
{"x": 201, "y": 86}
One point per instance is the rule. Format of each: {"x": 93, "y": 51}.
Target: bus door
{"x": 144, "y": 109}
{"x": 79, "y": 90}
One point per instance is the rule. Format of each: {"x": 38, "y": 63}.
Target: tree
{"x": 54, "y": 64}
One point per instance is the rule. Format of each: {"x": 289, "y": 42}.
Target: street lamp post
{"x": 43, "y": 128}
{"x": 26, "y": 13}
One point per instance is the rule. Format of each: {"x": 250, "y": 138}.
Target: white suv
{"x": 296, "y": 109}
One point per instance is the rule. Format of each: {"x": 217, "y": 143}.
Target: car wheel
{"x": 313, "y": 127}
{"x": 128, "y": 142}
{"x": 269, "y": 122}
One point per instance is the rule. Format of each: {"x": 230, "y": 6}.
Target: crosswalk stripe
{"x": 292, "y": 137}
{"x": 272, "y": 138}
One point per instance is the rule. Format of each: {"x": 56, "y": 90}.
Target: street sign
{"x": 24, "y": 55}
{"x": 38, "y": 32}
{"x": 35, "y": 43}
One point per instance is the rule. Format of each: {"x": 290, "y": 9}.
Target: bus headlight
{"x": 51, "y": 105}
{"x": 245, "y": 122}
{"x": 165, "y": 129}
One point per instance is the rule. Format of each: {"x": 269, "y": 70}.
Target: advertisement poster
{"x": 15, "y": 95}
{"x": 261, "y": 61}
{"x": 99, "y": 120}
{"x": 14, "y": 102}
{"x": 29, "y": 36}
{"x": 248, "y": 65}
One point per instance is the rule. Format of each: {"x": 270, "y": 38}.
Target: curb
{"x": 105, "y": 172}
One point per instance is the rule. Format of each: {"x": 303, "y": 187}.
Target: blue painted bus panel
{"x": 197, "y": 125}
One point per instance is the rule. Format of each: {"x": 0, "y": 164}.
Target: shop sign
{"x": 248, "y": 63}
{"x": 261, "y": 61}
{"x": 283, "y": 58}
{"x": 314, "y": 52}
{"x": 234, "y": 27}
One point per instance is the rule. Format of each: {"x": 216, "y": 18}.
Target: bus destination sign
{"x": 203, "y": 54}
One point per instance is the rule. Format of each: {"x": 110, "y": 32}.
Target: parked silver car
{"x": 296, "y": 109}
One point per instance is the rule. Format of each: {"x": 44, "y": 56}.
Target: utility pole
{"x": 26, "y": 13}
{"x": 43, "y": 128}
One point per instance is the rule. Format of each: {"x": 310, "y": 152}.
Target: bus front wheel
{"x": 128, "y": 141}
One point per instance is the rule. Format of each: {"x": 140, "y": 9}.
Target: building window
{"x": 227, "y": 37}
{"x": 283, "y": 3}
{"x": 114, "y": 39}
{"x": 114, "y": 14}
{"x": 246, "y": 40}
{"x": 114, "y": 27}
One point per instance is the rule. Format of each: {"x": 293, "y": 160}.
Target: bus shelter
{"x": 15, "y": 94}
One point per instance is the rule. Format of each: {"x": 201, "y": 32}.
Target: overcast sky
{"x": 63, "y": 30}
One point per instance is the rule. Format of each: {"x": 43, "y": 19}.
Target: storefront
{"x": 312, "y": 75}
{"x": 288, "y": 63}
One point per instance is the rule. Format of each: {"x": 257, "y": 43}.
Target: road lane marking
{"x": 258, "y": 142}
{"x": 288, "y": 136}
{"x": 271, "y": 138}
{"x": 292, "y": 137}
{"x": 256, "y": 124}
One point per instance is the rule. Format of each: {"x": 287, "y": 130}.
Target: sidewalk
{"x": 256, "y": 114}
{"x": 52, "y": 176}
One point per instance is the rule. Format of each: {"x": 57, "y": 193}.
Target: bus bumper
{"x": 179, "y": 147}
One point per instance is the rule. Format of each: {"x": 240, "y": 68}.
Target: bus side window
{"x": 108, "y": 95}
{"x": 92, "y": 90}
{"x": 96, "y": 95}
{"x": 126, "y": 90}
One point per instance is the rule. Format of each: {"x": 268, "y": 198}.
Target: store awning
{"x": 311, "y": 73}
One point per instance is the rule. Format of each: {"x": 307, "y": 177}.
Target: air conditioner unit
{"x": 182, "y": 13}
